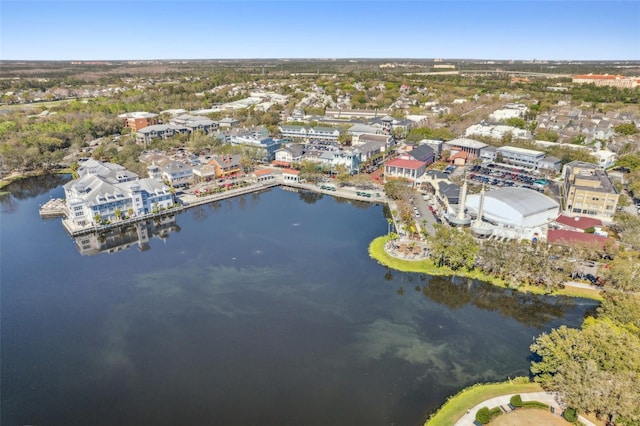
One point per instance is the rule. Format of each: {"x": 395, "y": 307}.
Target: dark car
{"x": 591, "y": 278}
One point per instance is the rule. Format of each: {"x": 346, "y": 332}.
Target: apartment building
{"x": 161, "y": 131}
{"x": 94, "y": 197}
{"x": 588, "y": 191}
{"x": 323, "y": 133}
{"x": 138, "y": 120}
{"x": 528, "y": 158}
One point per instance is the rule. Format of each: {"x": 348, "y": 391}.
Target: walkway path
{"x": 548, "y": 398}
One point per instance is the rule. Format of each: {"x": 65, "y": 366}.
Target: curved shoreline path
{"x": 548, "y": 398}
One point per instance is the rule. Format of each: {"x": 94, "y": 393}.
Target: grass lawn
{"x": 458, "y": 404}
{"x": 377, "y": 252}
{"x": 529, "y": 417}
{"x": 34, "y": 105}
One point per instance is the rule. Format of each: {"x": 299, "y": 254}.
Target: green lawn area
{"x": 377, "y": 252}
{"x": 34, "y": 105}
{"x": 458, "y": 404}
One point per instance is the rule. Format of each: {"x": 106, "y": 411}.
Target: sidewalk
{"x": 548, "y": 398}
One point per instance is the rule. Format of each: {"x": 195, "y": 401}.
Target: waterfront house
{"x": 289, "y": 154}
{"x": 111, "y": 172}
{"x": 404, "y": 167}
{"x": 177, "y": 174}
{"x": 204, "y": 173}
{"x": 290, "y": 175}
{"x": 92, "y": 198}
{"x": 263, "y": 175}
{"x": 226, "y": 165}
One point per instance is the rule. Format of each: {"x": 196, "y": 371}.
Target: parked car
{"x": 591, "y": 278}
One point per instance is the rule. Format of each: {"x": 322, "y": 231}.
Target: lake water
{"x": 260, "y": 310}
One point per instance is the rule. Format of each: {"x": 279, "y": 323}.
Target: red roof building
{"x": 566, "y": 237}
{"x": 607, "y": 80}
{"x": 581, "y": 223}
{"x": 290, "y": 175}
{"x": 404, "y": 168}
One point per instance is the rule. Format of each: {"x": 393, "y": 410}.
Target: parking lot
{"x": 506, "y": 176}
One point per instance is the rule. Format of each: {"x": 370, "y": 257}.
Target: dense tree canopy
{"x": 595, "y": 369}
{"x": 419, "y": 133}
{"x": 623, "y": 272}
{"x": 453, "y": 247}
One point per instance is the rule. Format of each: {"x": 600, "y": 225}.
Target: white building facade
{"x": 91, "y": 199}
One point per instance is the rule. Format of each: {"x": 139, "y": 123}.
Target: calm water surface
{"x": 261, "y": 310}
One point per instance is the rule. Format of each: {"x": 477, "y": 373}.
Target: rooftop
{"x": 578, "y": 222}
{"x": 563, "y": 236}
{"x": 405, "y": 164}
{"x": 467, "y": 143}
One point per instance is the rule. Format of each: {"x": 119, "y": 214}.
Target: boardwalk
{"x": 188, "y": 199}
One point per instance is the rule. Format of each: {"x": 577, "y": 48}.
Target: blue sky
{"x": 211, "y": 29}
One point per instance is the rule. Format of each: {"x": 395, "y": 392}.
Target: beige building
{"x": 607, "y": 80}
{"x": 588, "y": 191}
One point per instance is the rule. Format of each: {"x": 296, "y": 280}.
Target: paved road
{"x": 426, "y": 218}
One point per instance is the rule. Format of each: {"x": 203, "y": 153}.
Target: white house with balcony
{"x": 289, "y": 154}
{"x": 177, "y": 174}
{"x": 91, "y": 197}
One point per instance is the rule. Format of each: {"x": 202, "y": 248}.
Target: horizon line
{"x": 319, "y": 58}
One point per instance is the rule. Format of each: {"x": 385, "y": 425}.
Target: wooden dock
{"x": 53, "y": 208}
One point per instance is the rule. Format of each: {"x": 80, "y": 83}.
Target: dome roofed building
{"x": 517, "y": 211}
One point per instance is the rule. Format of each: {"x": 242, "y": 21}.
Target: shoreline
{"x": 377, "y": 252}
{"x": 15, "y": 176}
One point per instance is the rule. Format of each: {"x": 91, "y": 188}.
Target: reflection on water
{"x": 264, "y": 310}
{"x": 37, "y": 185}
{"x": 530, "y": 309}
{"x": 122, "y": 238}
